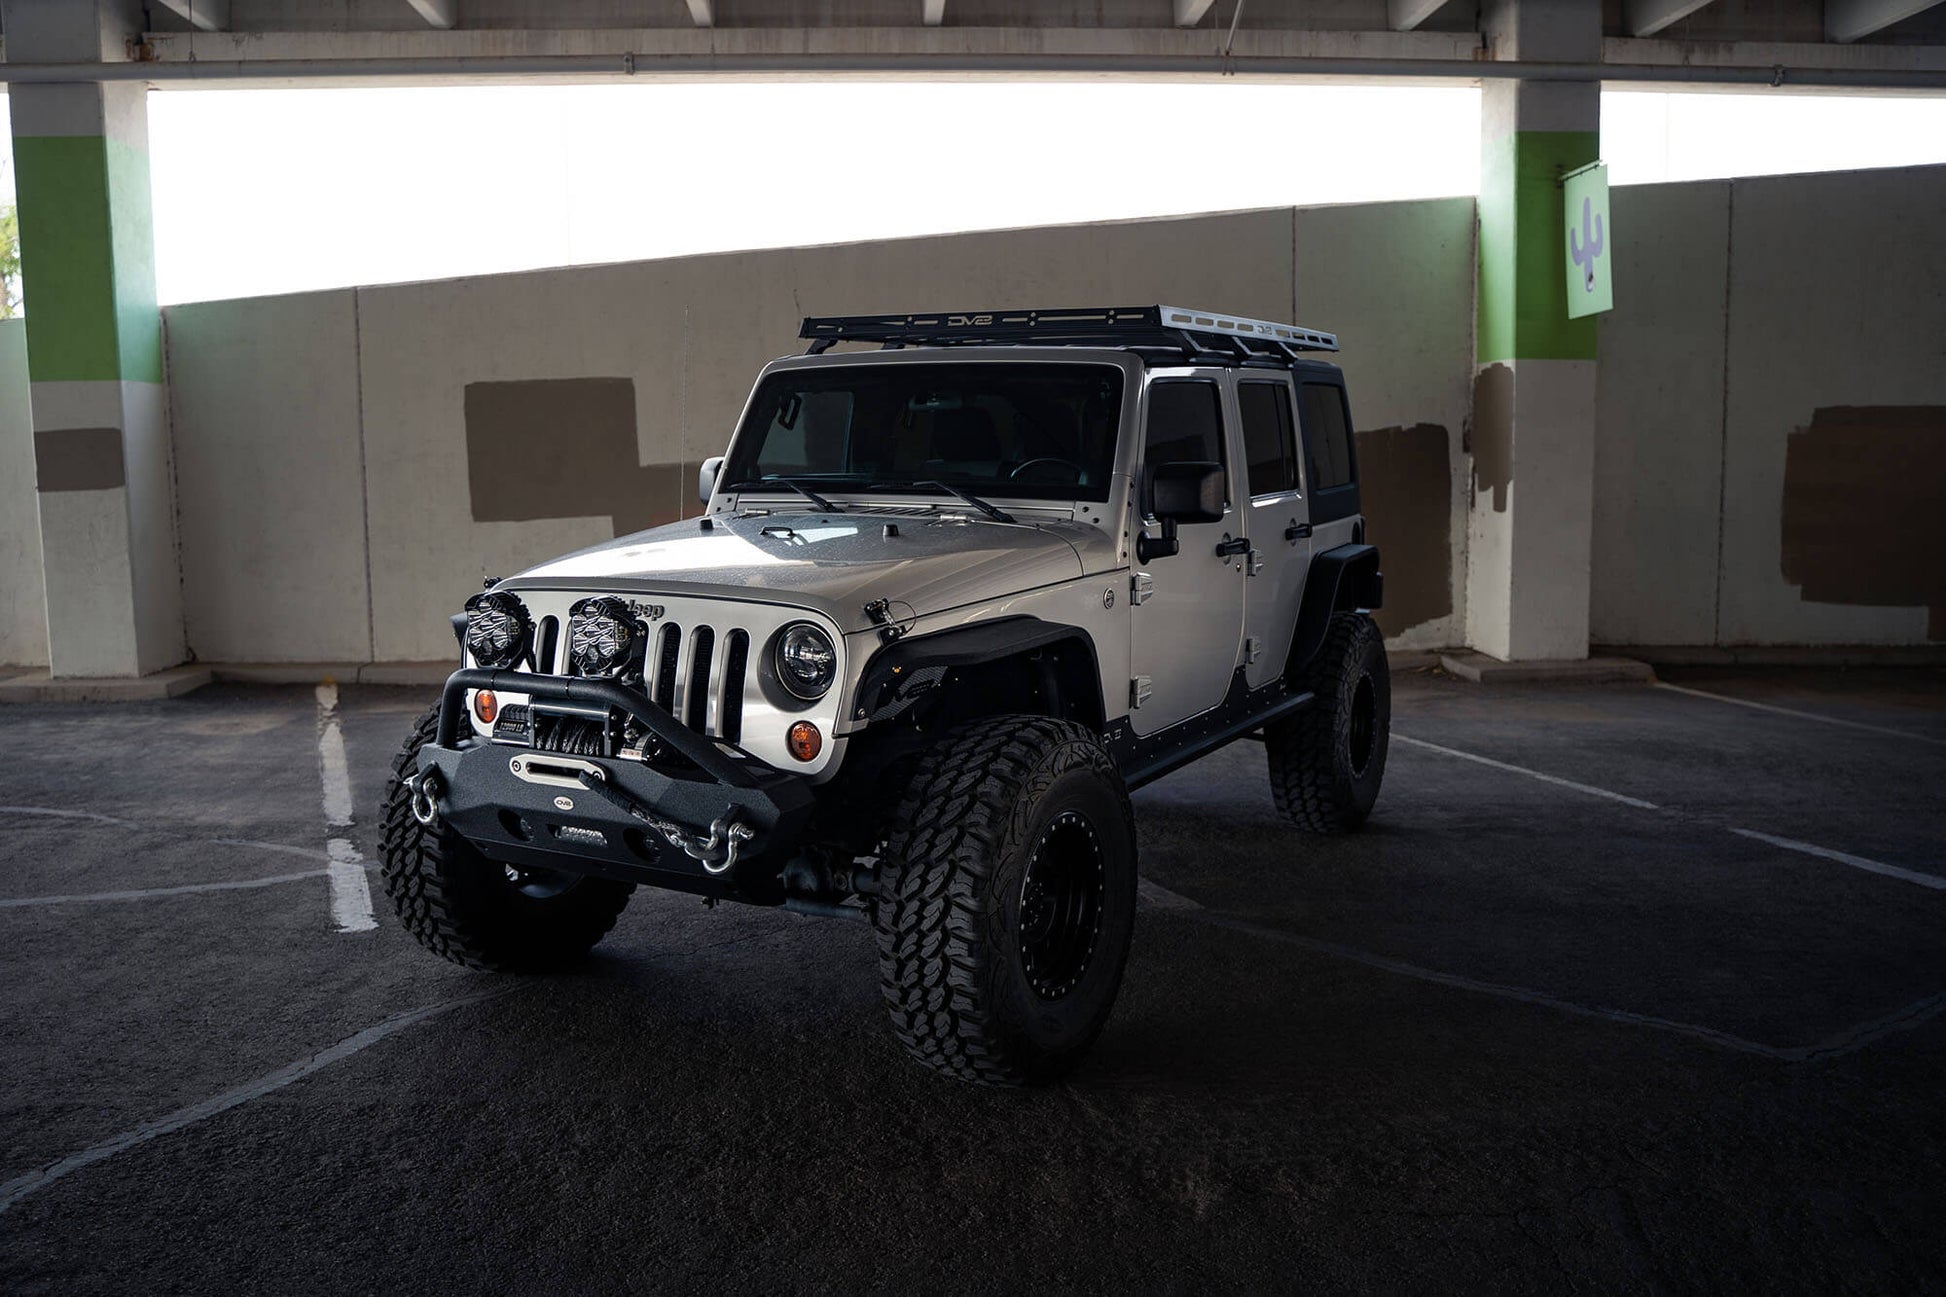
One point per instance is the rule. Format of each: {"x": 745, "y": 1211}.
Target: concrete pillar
{"x": 94, "y": 350}
{"x": 1533, "y": 431}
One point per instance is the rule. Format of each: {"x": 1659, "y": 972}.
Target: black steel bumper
{"x": 607, "y": 830}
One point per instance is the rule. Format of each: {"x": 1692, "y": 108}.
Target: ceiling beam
{"x": 204, "y": 15}
{"x": 701, "y": 13}
{"x": 1406, "y": 15}
{"x": 1647, "y": 17}
{"x": 1848, "y": 20}
{"x": 934, "y": 12}
{"x": 443, "y": 14}
{"x": 1190, "y": 12}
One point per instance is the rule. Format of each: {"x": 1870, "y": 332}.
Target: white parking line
{"x": 1162, "y": 898}
{"x": 351, "y": 891}
{"x": 1589, "y": 789}
{"x": 1933, "y": 881}
{"x": 1801, "y": 715}
{"x": 148, "y": 893}
{"x": 1848, "y": 1041}
{"x": 1788, "y": 844}
{"x": 34, "y": 1181}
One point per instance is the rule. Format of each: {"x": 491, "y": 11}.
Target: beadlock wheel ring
{"x": 1061, "y": 902}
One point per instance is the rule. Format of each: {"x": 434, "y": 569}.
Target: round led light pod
{"x": 497, "y": 629}
{"x": 602, "y": 636}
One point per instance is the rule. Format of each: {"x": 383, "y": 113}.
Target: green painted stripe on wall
{"x": 1523, "y": 313}
{"x": 87, "y": 259}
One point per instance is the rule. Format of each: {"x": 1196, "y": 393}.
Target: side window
{"x": 1268, "y": 440}
{"x": 1185, "y": 423}
{"x": 1327, "y": 439}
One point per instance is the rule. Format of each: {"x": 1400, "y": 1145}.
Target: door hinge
{"x": 1141, "y": 586}
{"x": 1253, "y": 648}
{"x": 1254, "y": 563}
{"x": 1139, "y": 690}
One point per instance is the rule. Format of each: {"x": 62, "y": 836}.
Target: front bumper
{"x": 524, "y": 807}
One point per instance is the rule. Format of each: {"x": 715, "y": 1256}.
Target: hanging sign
{"x": 1591, "y": 284}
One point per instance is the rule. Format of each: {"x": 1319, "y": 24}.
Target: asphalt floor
{"x": 1624, "y": 988}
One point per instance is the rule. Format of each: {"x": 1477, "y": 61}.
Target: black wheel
{"x": 478, "y": 912}
{"x": 1006, "y": 901}
{"x": 1327, "y": 761}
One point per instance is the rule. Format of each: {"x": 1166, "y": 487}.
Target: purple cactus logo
{"x": 1586, "y": 244}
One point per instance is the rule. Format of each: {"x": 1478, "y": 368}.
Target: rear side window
{"x": 1268, "y": 437}
{"x": 1327, "y": 439}
{"x": 1185, "y": 423}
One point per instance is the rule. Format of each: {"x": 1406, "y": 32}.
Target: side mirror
{"x": 706, "y": 477}
{"x": 1188, "y": 491}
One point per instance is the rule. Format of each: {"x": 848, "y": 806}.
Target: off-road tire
{"x": 1328, "y": 759}
{"x": 985, "y": 804}
{"x": 459, "y": 905}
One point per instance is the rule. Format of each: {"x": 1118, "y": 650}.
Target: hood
{"x": 835, "y": 563}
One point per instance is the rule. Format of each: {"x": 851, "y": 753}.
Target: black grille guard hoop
{"x": 702, "y": 751}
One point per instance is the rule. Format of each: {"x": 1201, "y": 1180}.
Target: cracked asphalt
{"x": 1519, "y": 1036}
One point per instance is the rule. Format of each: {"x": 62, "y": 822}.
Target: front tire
{"x": 1328, "y": 760}
{"x": 477, "y": 912}
{"x": 1006, "y": 901}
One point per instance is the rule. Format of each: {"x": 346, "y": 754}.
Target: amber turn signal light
{"x": 804, "y": 741}
{"x": 486, "y": 706}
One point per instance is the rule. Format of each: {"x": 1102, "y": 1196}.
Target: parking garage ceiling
{"x": 1855, "y": 44}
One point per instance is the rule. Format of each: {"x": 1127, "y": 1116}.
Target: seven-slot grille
{"x": 692, "y": 672}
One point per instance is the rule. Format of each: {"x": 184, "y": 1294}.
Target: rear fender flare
{"x": 1342, "y": 579}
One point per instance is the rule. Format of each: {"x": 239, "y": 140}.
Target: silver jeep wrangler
{"x": 949, "y": 601}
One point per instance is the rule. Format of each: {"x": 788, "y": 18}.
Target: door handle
{"x": 1298, "y": 531}
{"x": 1227, "y": 548}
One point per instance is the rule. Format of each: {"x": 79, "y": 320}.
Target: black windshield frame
{"x": 1041, "y": 430}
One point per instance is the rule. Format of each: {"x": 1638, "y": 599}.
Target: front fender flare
{"x": 900, "y": 672}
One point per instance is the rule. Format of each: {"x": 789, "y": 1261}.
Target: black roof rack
{"x": 1202, "y": 334}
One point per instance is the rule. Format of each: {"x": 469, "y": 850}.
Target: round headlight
{"x": 602, "y": 636}
{"x": 497, "y": 629}
{"x": 807, "y": 662}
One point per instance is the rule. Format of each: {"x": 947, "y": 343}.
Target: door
{"x": 1186, "y": 622}
{"x": 1277, "y": 521}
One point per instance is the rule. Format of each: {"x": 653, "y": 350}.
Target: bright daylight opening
{"x": 274, "y": 191}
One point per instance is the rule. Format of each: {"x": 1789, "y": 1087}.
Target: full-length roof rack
{"x": 1201, "y": 334}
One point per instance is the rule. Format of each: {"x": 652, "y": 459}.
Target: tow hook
{"x": 717, "y": 853}
{"x": 423, "y": 787}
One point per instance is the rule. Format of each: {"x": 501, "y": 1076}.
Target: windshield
{"x": 1032, "y": 431}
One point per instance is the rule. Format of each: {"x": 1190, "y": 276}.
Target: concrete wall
{"x": 350, "y": 464}
{"x": 270, "y": 479}
{"x": 1395, "y": 281}
{"x": 1771, "y": 458}
{"x": 504, "y": 419}
{"x": 23, "y": 595}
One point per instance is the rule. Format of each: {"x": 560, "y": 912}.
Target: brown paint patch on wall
{"x": 1490, "y": 436}
{"x": 79, "y": 459}
{"x": 1405, "y": 484}
{"x": 564, "y": 448}
{"x": 1864, "y": 516}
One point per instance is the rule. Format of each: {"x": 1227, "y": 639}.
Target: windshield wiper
{"x": 796, "y": 486}
{"x": 996, "y": 514}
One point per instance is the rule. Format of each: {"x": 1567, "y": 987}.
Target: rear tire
{"x": 1328, "y": 759}
{"x": 466, "y": 908}
{"x": 1007, "y": 901}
